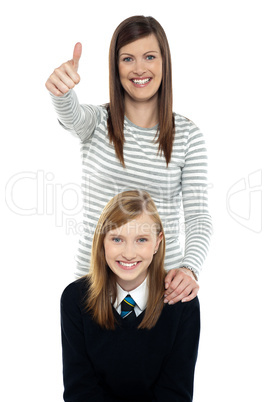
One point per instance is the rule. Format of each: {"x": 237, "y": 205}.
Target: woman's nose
{"x": 139, "y": 67}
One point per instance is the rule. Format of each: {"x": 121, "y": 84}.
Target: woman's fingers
{"x": 191, "y": 295}
{"x": 77, "y": 52}
{"x": 180, "y": 285}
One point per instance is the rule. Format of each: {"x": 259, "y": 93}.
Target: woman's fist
{"x": 66, "y": 76}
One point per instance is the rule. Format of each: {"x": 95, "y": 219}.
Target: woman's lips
{"x": 141, "y": 82}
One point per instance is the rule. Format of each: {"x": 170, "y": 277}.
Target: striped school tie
{"x": 127, "y": 307}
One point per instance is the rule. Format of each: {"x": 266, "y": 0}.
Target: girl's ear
{"x": 159, "y": 239}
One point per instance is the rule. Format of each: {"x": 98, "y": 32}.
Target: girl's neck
{"x": 142, "y": 114}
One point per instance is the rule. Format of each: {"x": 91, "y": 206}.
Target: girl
{"x": 137, "y": 142}
{"x": 120, "y": 341}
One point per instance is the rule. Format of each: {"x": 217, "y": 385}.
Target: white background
{"x": 219, "y": 73}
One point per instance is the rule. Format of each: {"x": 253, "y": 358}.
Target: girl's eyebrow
{"x": 112, "y": 234}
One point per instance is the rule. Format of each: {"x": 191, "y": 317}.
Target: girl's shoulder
{"x": 75, "y": 291}
{"x": 186, "y": 308}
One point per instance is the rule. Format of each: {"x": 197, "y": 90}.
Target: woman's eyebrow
{"x": 151, "y": 51}
{"x": 126, "y": 54}
{"x": 129, "y": 54}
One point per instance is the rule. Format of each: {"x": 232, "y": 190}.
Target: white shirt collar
{"x": 140, "y": 295}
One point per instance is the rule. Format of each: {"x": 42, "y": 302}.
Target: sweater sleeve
{"x": 80, "y": 382}
{"x": 80, "y": 120}
{"x": 177, "y": 374}
{"x": 198, "y": 225}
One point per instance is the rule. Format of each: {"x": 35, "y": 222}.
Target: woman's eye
{"x": 127, "y": 59}
{"x": 150, "y": 57}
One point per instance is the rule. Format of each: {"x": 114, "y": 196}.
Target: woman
{"x": 137, "y": 142}
{"x": 146, "y": 351}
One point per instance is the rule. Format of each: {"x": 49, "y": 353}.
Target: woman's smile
{"x": 141, "y": 82}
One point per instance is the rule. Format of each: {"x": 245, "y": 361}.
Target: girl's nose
{"x": 129, "y": 252}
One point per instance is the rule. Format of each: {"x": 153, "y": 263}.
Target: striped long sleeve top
{"x": 179, "y": 190}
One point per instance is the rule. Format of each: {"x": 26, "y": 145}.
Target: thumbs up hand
{"x": 66, "y": 76}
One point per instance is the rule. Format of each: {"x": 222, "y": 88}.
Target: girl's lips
{"x": 127, "y": 265}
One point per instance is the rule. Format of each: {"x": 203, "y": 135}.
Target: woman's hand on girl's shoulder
{"x": 66, "y": 76}
{"x": 180, "y": 285}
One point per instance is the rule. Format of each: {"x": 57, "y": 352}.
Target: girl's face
{"x": 140, "y": 69}
{"x": 129, "y": 250}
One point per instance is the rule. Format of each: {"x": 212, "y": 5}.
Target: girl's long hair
{"x": 128, "y": 31}
{"x": 102, "y": 289}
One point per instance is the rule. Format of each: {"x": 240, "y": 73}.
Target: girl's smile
{"x": 128, "y": 266}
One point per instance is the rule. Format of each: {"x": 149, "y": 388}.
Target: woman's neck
{"x": 142, "y": 114}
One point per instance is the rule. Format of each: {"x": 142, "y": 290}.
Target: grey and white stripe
{"x": 178, "y": 191}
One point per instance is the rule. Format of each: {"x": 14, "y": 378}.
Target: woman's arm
{"x": 198, "y": 226}
{"x": 80, "y": 120}
{"x": 176, "y": 379}
{"x": 181, "y": 282}
{"x": 80, "y": 382}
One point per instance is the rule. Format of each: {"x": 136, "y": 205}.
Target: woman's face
{"x": 129, "y": 250}
{"x": 140, "y": 69}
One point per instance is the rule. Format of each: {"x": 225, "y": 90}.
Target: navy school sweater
{"x": 128, "y": 364}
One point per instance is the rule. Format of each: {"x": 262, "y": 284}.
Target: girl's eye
{"x": 150, "y": 57}
{"x": 142, "y": 240}
{"x": 116, "y": 240}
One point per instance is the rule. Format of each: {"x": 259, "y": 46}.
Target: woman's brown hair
{"x": 128, "y": 31}
{"x": 102, "y": 290}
